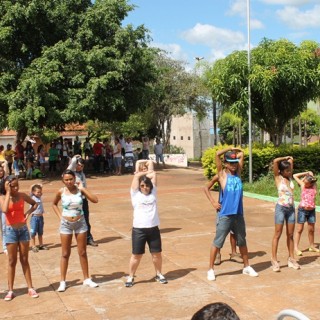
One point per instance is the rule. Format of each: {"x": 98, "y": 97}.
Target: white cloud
{"x": 238, "y": 7}
{"x": 298, "y": 19}
{"x": 256, "y": 24}
{"x": 213, "y": 37}
{"x": 174, "y": 50}
{"x": 288, "y": 2}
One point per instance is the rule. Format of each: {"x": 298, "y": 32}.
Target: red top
{"x": 15, "y": 213}
{"x": 97, "y": 149}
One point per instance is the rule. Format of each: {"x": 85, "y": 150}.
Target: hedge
{"x": 305, "y": 159}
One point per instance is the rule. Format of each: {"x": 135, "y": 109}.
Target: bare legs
{"x": 66, "y": 240}
{"x": 136, "y": 258}
{"x": 12, "y": 262}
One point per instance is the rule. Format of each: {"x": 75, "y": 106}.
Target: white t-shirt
{"x": 145, "y": 211}
{"x": 129, "y": 147}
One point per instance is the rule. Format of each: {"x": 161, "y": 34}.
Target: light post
{"x": 249, "y": 93}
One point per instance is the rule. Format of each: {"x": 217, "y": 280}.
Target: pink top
{"x": 308, "y": 196}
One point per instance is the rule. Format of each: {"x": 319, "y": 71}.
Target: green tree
{"x": 69, "y": 61}
{"x": 173, "y": 93}
{"x": 284, "y": 77}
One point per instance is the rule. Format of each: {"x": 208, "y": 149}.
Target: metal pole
{"x": 249, "y": 93}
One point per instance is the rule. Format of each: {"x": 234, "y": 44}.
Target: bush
{"x": 262, "y": 157}
{"x": 175, "y": 150}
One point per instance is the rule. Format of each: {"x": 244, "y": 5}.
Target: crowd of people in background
{"x": 102, "y": 156}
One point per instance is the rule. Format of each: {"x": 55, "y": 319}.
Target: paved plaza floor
{"x": 187, "y": 228}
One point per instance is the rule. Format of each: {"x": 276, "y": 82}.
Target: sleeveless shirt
{"x": 231, "y": 196}
{"x": 71, "y": 204}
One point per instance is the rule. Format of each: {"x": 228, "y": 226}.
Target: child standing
{"x": 306, "y": 209}
{"x": 284, "y": 211}
{"x": 230, "y": 216}
{"x": 37, "y": 221}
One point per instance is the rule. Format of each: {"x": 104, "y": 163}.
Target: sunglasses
{"x": 144, "y": 186}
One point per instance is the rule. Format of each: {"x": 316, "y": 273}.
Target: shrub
{"x": 262, "y": 156}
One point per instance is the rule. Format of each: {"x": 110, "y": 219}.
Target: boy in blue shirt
{"x": 231, "y": 213}
{"x": 37, "y": 221}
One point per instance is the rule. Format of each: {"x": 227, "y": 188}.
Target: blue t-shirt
{"x": 231, "y": 196}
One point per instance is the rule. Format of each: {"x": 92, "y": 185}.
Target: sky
{"x": 212, "y": 29}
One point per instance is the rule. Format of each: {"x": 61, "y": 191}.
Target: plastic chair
{"x": 291, "y": 313}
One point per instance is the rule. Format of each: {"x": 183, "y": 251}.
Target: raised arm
{"x": 144, "y": 164}
{"x": 6, "y": 199}
{"x": 153, "y": 176}
{"x": 240, "y": 156}
{"x": 89, "y": 195}
{"x": 297, "y": 177}
{"x": 207, "y": 192}
{"x": 276, "y": 162}
{"x": 73, "y": 164}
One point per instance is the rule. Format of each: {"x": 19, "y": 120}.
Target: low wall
{"x": 179, "y": 160}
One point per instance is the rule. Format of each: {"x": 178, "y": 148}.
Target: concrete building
{"x": 192, "y": 135}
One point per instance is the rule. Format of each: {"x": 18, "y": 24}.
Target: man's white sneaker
{"x": 62, "y": 286}
{"x": 210, "y": 275}
{"x": 88, "y": 282}
{"x": 249, "y": 271}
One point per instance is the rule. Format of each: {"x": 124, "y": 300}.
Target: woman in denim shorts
{"x": 284, "y": 211}
{"x": 16, "y": 233}
{"x": 306, "y": 209}
{"x": 72, "y": 221}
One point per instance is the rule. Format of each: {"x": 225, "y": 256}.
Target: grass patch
{"x": 266, "y": 186}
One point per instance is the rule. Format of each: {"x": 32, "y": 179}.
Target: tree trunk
{"x": 167, "y": 134}
{"x": 305, "y": 133}
{"x": 300, "y": 133}
{"x": 239, "y": 133}
{"x": 291, "y": 131}
{"x": 200, "y": 136}
{"x": 21, "y": 134}
{"x": 215, "y": 140}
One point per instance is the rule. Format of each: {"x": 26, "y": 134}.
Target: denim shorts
{"x": 117, "y": 161}
{"x": 68, "y": 227}
{"x": 15, "y": 235}
{"x": 159, "y": 158}
{"x": 141, "y": 236}
{"x": 36, "y": 225}
{"x": 226, "y": 224}
{"x": 306, "y": 216}
{"x": 283, "y": 213}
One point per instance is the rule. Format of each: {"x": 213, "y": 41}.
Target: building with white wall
{"x": 192, "y": 135}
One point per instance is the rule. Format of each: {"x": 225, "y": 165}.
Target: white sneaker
{"x": 62, "y": 286}
{"x": 210, "y": 275}
{"x": 88, "y": 282}
{"x": 249, "y": 271}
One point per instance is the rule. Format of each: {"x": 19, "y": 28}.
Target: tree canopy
{"x": 283, "y": 76}
{"x": 69, "y": 61}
